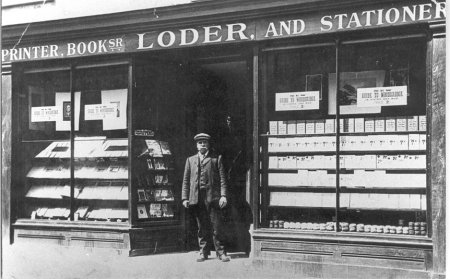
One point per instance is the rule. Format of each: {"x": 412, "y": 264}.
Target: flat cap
{"x": 202, "y": 136}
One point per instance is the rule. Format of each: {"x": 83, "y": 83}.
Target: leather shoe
{"x": 224, "y": 258}
{"x": 202, "y": 258}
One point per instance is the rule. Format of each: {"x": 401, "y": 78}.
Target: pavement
{"x": 38, "y": 260}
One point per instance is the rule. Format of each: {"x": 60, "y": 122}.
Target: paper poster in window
{"x": 119, "y": 98}
{"x": 62, "y": 100}
{"x": 349, "y": 83}
{"x": 36, "y": 98}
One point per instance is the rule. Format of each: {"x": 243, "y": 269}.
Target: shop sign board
{"x": 308, "y": 100}
{"x": 372, "y": 16}
{"x": 382, "y": 96}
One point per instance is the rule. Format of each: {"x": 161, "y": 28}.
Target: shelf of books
{"x": 378, "y": 184}
{"x": 100, "y": 178}
{"x": 155, "y": 183}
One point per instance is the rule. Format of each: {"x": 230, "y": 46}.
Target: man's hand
{"x": 186, "y": 203}
{"x": 223, "y": 202}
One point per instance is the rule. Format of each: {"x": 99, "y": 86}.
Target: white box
{"x": 380, "y": 125}
{"x": 390, "y": 125}
{"x": 329, "y": 125}
{"x": 273, "y": 162}
{"x": 291, "y": 127}
{"x": 273, "y": 127}
{"x": 359, "y": 125}
{"x": 422, "y": 142}
{"x": 282, "y": 127}
{"x": 349, "y": 125}
{"x": 414, "y": 141}
{"x": 422, "y": 122}
{"x": 413, "y": 123}
{"x": 310, "y": 126}
{"x": 369, "y": 125}
{"x": 401, "y": 124}
{"x": 320, "y": 127}
{"x": 301, "y": 127}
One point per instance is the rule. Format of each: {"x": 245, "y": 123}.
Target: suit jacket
{"x": 216, "y": 185}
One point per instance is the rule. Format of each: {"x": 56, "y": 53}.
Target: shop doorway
{"x": 179, "y": 94}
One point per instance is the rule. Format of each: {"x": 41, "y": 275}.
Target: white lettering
{"x": 389, "y": 17}
{"x": 53, "y": 50}
{"x": 44, "y": 51}
{"x": 286, "y": 27}
{"x": 368, "y": 17}
{"x": 70, "y": 49}
{"x": 184, "y": 32}
{"x": 424, "y": 9}
{"x": 340, "y": 18}
{"x": 411, "y": 13}
{"x": 271, "y": 29}
{"x": 35, "y": 50}
{"x": 380, "y": 17}
{"x": 440, "y": 9}
{"x": 208, "y": 34}
{"x": 5, "y": 53}
{"x": 171, "y": 38}
{"x": 141, "y": 42}
{"x": 326, "y": 20}
{"x": 119, "y": 42}
{"x": 102, "y": 46}
{"x": 92, "y": 47}
{"x": 14, "y": 54}
{"x": 27, "y": 53}
{"x": 354, "y": 19}
{"x": 296, "y": 26}
{"x": 239, "y": 31}
{"x": 81, "y": 48}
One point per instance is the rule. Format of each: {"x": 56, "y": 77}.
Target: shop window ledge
{"x": 71, "y": 225}
{"x": 343, "y": 238}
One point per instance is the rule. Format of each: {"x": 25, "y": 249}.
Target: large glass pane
{"x": 44, "y": 148}
{"x": 299, "y": 143}
{"x": 382, "y": 98}
{"x": 101, "y": 144}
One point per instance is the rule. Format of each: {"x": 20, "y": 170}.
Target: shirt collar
{"x": 203, "y": 156}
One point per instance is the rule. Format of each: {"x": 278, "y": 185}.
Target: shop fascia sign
{"x": 264, "y": 29}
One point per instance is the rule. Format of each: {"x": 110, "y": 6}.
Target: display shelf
{"x": 303, "y": 188}
{"x": 383, "y": 152}
{"x": 343, "y": 134}
{"x": 285, "y": 153}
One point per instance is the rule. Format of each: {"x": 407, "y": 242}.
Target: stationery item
{"x": 119, "y": 98}
{"x": 414, "y": 142}
{"x": 320, "y": 126}
{"x": 310, "y": 127}
{"x": 273, "y": 127}
{"x": 291, "y": 127}
{"x": 359, "y": 125}
{"x": 390, "y": 125}
{"x": 282, "y": 127}
{"x": 329, "y": 125}
{"x": 422, "y": 142}
{"x": 422, "y": 123}
{"x": 412, "y": 123}
{"x": 401, "y": 124}
{"x": 301, "y": 127}
{"x": 380, "y": 125}
{"x": 369, "y": 125}
{"x": 142, "y": 211}
{"x": 349, "y": 125}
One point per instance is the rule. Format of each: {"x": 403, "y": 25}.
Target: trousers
{"x": 209, "y": 223}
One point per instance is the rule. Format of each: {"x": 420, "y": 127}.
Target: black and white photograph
{"x": 223, "y": 139}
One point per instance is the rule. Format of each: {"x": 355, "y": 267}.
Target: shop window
{"x": 89, "y": 183}
{"x": 355, "y": 167}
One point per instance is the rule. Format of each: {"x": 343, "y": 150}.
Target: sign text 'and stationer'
{"x": 258, "y": 30}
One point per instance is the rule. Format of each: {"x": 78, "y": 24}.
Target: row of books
{"x": 349, "y": 125}
{"x": 82, "y": 212}
{"x": 90, "y": 170}
{"x": 348, "y": 162}
{"x": 94, "y": 147}
{"x": 155, "y": 210}
{"x": 85, "y": 192}
{"x": 158, "y": 164}
{"x": 150, "y": 180}
{"x": 360, "y": 178}
{"x": 349, "y": 143}
{"x": 155, "y": 195}
{"x": 350, "y": 200}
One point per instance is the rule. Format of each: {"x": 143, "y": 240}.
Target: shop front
{"x": 330, "y": 118}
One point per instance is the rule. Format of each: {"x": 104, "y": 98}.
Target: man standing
{"x": 204, "y": 192}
